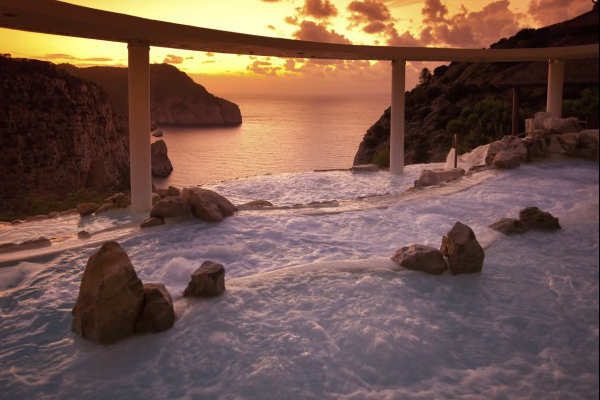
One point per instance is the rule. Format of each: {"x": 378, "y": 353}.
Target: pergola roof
{"x": 55, "y": 17}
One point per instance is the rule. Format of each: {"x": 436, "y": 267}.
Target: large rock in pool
{"x": 462, "y": 250}
{"x": 170, "y": 207}
{"x": 207, "y": 281}
{"x": 534, "y": 218}
{"x": 421, "y": 258}
{"x": 208, "y": 205}
{"x": 508, "y": 226}
{"x": 161, "y": 165}
{"x": 430, "y": 177}
{"x": 157, "y": 312}
{"x": 110, "y": 298}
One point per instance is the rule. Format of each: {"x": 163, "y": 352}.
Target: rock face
{"x": 175, "y": 99}
{"x": 207, "y": 281}
{"x": 161, "y": 165}
{"x": 59, "y": 134}
{"x": 534, "y": 218}
{"x": 430, "y": 177}
{"x": 111, "y": 296}
{"x": 207, "y": 205}
{"x": 157, "y": 311}
{"x": 462, "y": 250}
{"x": 421, "y": 258}
{"x": 434, "y": 103}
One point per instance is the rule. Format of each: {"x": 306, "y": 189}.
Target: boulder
{"x": 431, "y": 177}
{"x": 207, "y": 205}
{"x": 157, "y": 311}
{"x": 255, "y": 205}
{"x": 421, "y": 258}
{"x": 206, "y": 281}
{"x": 561, "y": 125}
{"x": 170, "y": 207}
{"x": 173, "y": 191}
{"x": 568, "y": 141}
{"x": 534, "y": 218}
{"x": 110, "y": 297}
{"x": 87, "y": 208}
{"x": 462, "y": 250}
{"x": 508, "y": 226}
{"x": 587, "y": 145}
{"x": 506, "y": 159}
{"x": 365, "y": 168}
{"x": 161, "y": 165}
{"x": 152, "y": 221}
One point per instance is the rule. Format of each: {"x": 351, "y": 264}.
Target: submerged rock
{"x": 534, "y": 218}
{"x": 170, "y": 207}
{"x": 87, "y": 208}
{"x": 110, "y": 297}
{"x": 462, "y": 250}
{"x": 157, "y": 311}
{"x": 161, "y": 165}
{"x": 208, "y": 205}
{"x": 508, "y": 226}
{"x": 430, "y": 177}
{"x": 152, "y": 221}
{"x": 206, "y": 281}
{"x": 255, "y": 205}
{"x": 421, "y": 258}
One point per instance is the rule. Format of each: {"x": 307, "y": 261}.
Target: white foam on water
{"x": 314, "y": 309}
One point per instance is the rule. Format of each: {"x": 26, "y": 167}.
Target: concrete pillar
{"x": 139, "y": 127}
{"x": 556, "y": 80}
{"x": 397, "y": 117}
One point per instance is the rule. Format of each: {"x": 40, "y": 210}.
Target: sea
{"x": 278, "y": 134}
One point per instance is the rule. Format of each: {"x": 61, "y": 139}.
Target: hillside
{"x": 473, "y": 100}
{"x": 175, "y": 99}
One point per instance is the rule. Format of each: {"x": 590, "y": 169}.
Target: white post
{"x": 397, "y": 117}
{"x": 139, "y": 127}
{"x": 554, "y": 94}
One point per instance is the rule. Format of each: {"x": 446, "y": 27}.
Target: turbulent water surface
{"x": 314, "y": 308}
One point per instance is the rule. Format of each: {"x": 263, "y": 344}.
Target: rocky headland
{"x": 473, "y": 100}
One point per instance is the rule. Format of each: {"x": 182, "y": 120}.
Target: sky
{"x": 437, "y": 23}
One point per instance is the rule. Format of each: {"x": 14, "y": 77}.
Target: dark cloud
{"x": 291, "y": 20}
{"x": 548, "y": 12}
{"x": 320, "y": 9}
{"x": 404, "y": 39}
{"x": 374, "y": 27}
{"x": 434, "y": 11}
{"x": 314, "y": 32}
{"x": 368, "y": 11}
{"x": 172, "y": 59}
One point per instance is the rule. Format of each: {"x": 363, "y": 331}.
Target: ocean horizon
{"x": 278, "y": 134}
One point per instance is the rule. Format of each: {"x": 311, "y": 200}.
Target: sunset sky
{"x": 467, "y": 23}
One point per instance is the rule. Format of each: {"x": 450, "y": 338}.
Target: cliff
{"x": 175, "y": 99}
{"x": 58, "y": 135}
{"x": 474, "y": 100}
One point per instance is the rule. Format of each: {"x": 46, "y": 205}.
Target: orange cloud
{"x": 314, "y": 32}
{"x": 319, "y": 9}
{"x": 551, "y": 11}
{"x": 172, "y": 59}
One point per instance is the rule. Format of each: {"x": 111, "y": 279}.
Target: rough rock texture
{"x": 58, "y": 134}
{"x": 421, "y": 258}
{"x": 508, "y": 226}
{"x": 431, "y": 177}
{"x": 506, "y": 160}
{"x": 161, "y": 165}
{"x": 534, "y": 218}
{"x": 208, "y": 205}
{"x": 157, "y": 311}
{"x": 462, "y": 250}
{"x": 170, "y": 207}
{"x": 206, "y": 281}
{"x": 432, "y": 104}
{"x": 152, "y": 221}
{"x": 110, "y": 297}
{"x": 175, "y": 99}
{"x": 87, "y": 208}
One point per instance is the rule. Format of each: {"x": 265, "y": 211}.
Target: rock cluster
{"x": 529, "y": 218}
{"x": 117, "y": 200}
{"x": 460, "y": 252}
{"x": 113, "y": 303}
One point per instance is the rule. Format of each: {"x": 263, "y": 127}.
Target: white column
{"x": 397, "y": 117}
{"x": 554, "y": 94}
{"x": 139, "y": 127}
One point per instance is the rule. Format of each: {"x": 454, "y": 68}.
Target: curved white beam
{"x": 55, "y": 17}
